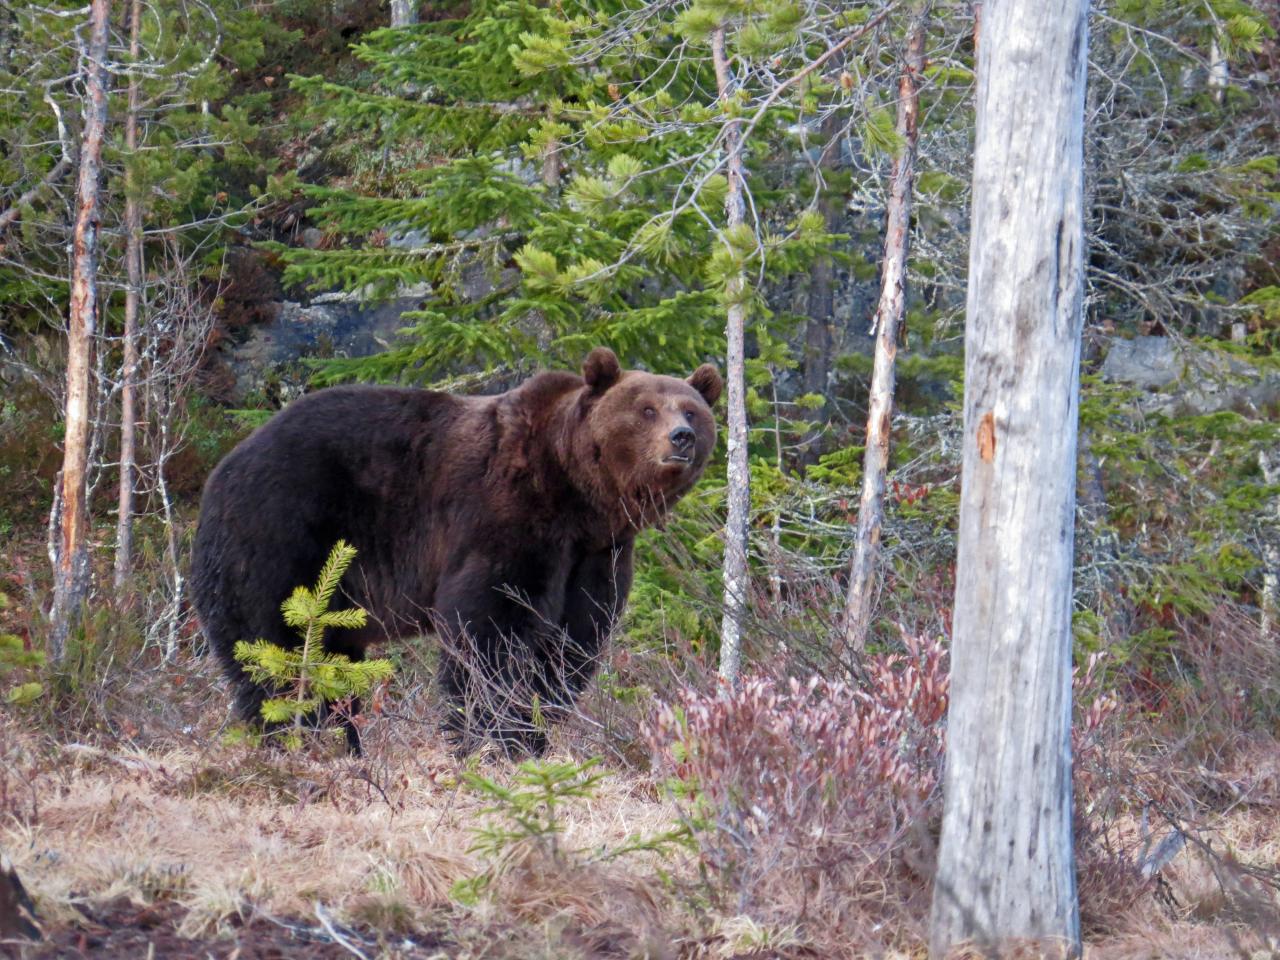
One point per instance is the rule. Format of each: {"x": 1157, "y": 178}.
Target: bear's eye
{"x": 688, "y": 415}
{"x": 650, "y": 413}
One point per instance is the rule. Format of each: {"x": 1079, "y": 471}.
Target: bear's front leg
{"x": 489, "y": 673}
{"x": 594, "y": 597}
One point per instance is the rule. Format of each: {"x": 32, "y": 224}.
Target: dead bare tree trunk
{"x": 864, "y": 568}
{"x": 129, "y": 373}
{"x": 404, "y": 13}
{"x": 1006, "y": 869}
{"x": 1219, "y": 71}
{"x": 1270, "y": 599}
{"x": 736, "y": 582}
{"x": 551, "y": 166}
{"x": 71, "y": 547}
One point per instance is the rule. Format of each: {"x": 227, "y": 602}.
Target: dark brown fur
{"x": 505, "y": 523}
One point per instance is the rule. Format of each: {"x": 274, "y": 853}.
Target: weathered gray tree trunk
{"x": 1005, "y": 867}
{"x": 71, "y": 547}
{"x": 736, "y": 583}
{"x": 129, "y": 372}
{"x": 865, "y": 566}
{"x": 1219, "y": 71}
{"x": 404, "y": 13}
{"x": 1270, "y": 599}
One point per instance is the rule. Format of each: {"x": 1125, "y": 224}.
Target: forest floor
{"x": 163, "y": 839}
{"x": 160, "y": 839}
{"x": 142, "y": 829}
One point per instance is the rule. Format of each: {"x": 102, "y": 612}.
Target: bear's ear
{"x": 706, "y": 380}
{"x": 600, "y": 370}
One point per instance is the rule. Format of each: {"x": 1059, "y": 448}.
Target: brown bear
{"x": 502, "y": 523}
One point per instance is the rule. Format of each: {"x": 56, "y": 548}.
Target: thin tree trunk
{"x": 1006, "y": 868}
{"x": 736, "y": 581}
{"x": 1270, "y": 600}
{"x": 1219, "y": 72}
{"x": 71, "y": 568}
{"x": 404, "y": 13}
{"x": 551, "y": 166}
{"x": 133, "y": 266}
{"x": 821, "y": 306}
{"x": 864, "y": 568}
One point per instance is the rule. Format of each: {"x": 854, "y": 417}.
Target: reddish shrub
{"x": 803, "y": 796}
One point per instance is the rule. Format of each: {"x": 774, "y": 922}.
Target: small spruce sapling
{"x": 530, "y": 814}
{"x": 308, "y": 677}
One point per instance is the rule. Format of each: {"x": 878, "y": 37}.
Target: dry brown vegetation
{"x": 137, "y": 825}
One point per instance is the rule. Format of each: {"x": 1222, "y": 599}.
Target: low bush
{"x": 814, "y": 800}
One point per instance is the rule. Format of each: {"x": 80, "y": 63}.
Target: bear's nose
{"x": 682, "y": 438}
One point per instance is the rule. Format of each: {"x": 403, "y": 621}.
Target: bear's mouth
{"x": 678, "y": 458}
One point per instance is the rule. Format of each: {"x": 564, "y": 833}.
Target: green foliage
{"x": 528, "y": 816}
{"x": 308, "y": 677}
{"x": 188, "y": 175}
{"x": 525, "y": 265}
{"x": 15, "y": 664}
{"x": 1187, "y": 508}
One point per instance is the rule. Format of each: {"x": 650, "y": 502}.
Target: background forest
{"x": 458, "y": 194}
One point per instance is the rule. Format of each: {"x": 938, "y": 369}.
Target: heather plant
{"x": 791, "y": 787}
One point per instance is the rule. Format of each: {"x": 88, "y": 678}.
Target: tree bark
{"x": 551, "y": 166}
{"x": 129, "y": 372}
{"x": 71, "y": 566}
{"x": 1219, "y": 71}
{"x": 404, "y": 13}
{"x": 821, "y": 306}
{"x": 1006, "y": 867}
{"x": 1269, "y": 463}
{"x": 736, "y": 580}
{"x": 864, "y": 567}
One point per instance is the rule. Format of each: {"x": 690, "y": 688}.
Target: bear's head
{"x": 649, "y": 436}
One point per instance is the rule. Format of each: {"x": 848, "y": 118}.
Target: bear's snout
{"x": 682, "y": 438}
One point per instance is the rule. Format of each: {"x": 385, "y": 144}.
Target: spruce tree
{"x": 308, "y": 678}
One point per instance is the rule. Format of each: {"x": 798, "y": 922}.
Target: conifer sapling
{"x": 309, "y": 677}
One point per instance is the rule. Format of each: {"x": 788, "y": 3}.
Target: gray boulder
{"x": 1178, "y": 377}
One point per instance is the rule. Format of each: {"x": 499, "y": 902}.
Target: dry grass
{"x": 119, "y": 786}
{"x": 140, "y": 799}
{"x": 226, "y": 830}
{"x": 172, "y": 812}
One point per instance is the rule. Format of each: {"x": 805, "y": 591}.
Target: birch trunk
{"x": 71, "y": 548}
{"x": 129, "y": 373}
{"x": 864, "y": 567}
{"x": 739, "y": 475}
{"x": 404, "y": 13}
{"x": 1219, "y": 72}
{"x": 1005, "y": 867}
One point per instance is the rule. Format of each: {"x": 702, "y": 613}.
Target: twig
{"x": 331, "y": 930}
